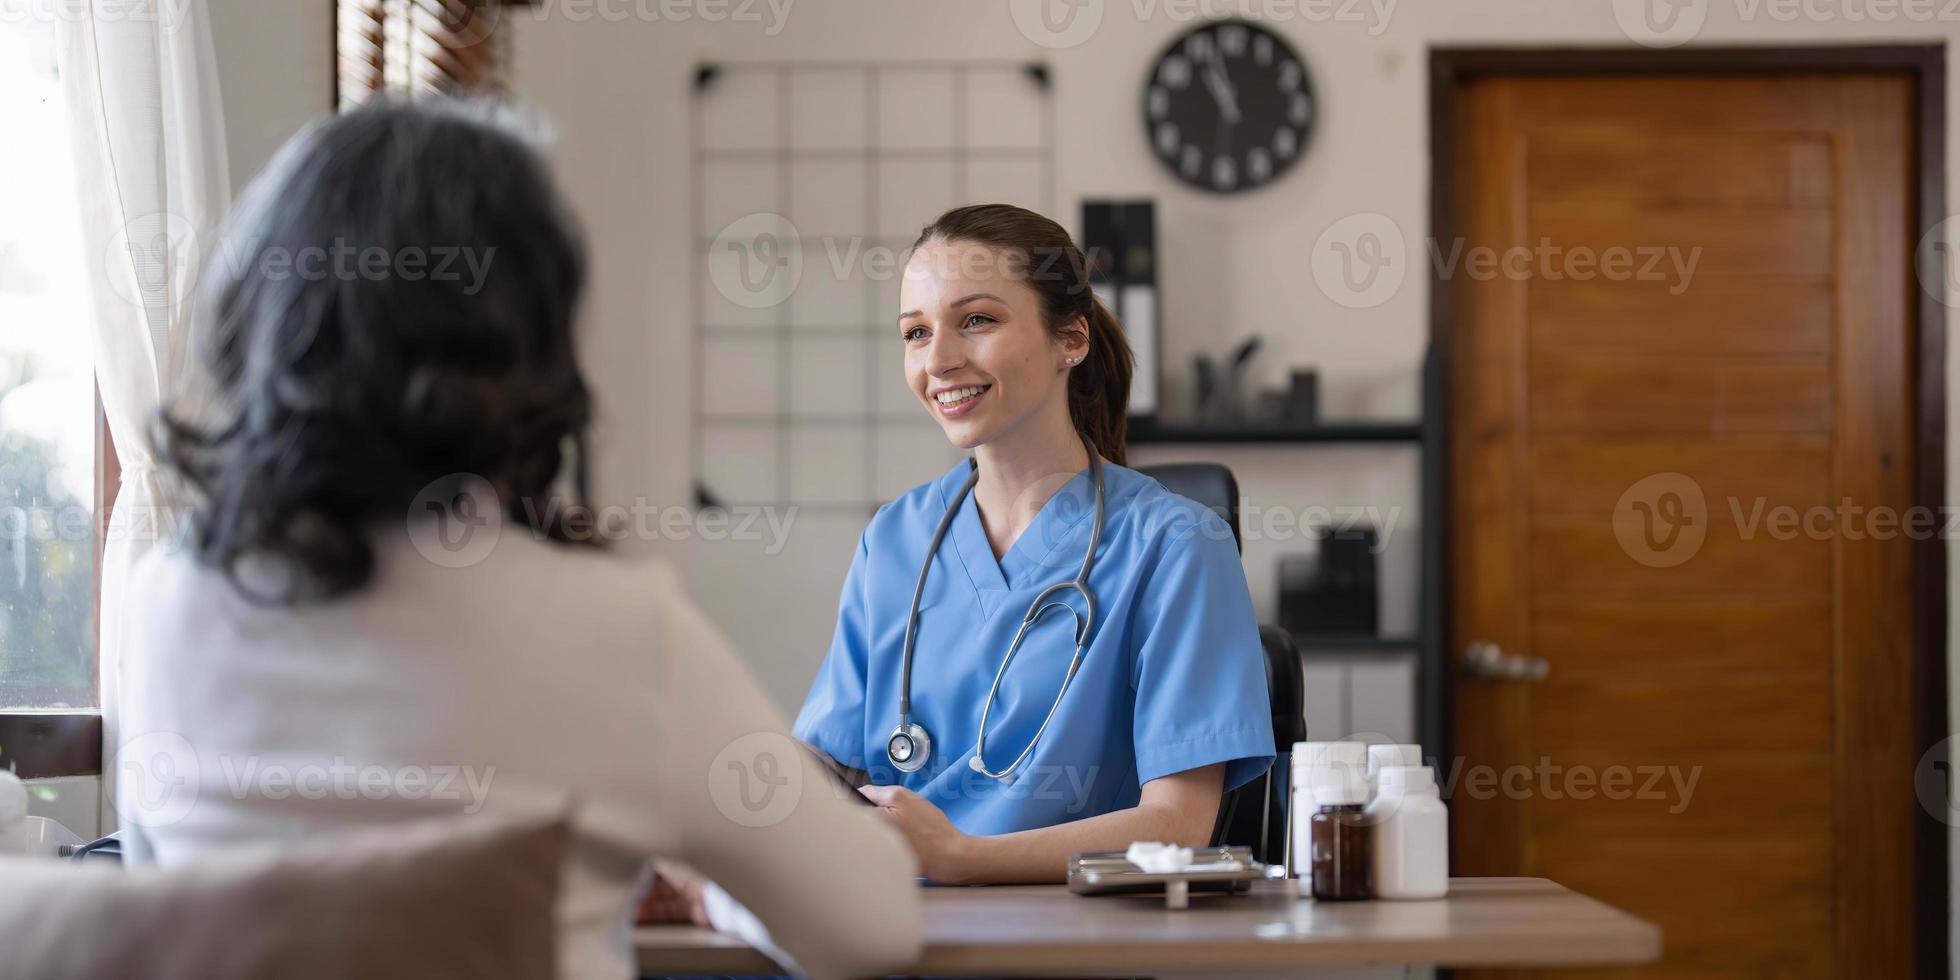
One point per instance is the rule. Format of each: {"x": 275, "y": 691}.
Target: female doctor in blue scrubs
{"x": 1134, "y": 732}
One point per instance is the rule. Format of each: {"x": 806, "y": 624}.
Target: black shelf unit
{"x": 1429, "y": 438}
{"x": 1270, "y": 433}
{"x": 1320, "y": 642}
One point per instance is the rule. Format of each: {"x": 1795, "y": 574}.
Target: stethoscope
{"x": 909, "y": 746}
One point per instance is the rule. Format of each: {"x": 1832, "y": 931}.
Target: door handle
{"x": 1488, "y": 660}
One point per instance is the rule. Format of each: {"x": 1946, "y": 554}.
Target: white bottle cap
{"x": 1338, "y": 785}
{"x": 1408, "y": 779}
{"x": 1382, "y": 756}
{"x": 1308, "y": 756}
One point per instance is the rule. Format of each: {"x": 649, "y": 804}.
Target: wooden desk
{"x": 1044, "y": 930}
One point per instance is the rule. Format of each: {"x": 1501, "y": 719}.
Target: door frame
{"x": 1450, "y": 68}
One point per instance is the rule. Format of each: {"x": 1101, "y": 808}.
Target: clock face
{"x": 1228, "y": 107}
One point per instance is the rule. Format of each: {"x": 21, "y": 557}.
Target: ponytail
{"x": 1099, "y": 387}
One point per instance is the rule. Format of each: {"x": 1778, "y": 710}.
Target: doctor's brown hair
{"x": 1058, "y": 272}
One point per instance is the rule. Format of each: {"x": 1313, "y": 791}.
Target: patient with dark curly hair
{"x": 381, "y": 608}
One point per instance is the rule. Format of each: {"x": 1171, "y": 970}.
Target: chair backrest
{"x": 1211, "y": 485}
{"x": 1254, "y": 815}
{"x": 452, "y": 896}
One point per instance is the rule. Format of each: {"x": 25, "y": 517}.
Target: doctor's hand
{"x": 943, "y": 850}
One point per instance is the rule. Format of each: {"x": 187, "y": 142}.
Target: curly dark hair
{"x": 391, "y": 304}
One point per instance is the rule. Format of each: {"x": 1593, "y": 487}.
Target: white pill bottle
{"x": 1308, "y": 756}
{"x": 1412, "y": 834}
{"x": 13, "y": 814}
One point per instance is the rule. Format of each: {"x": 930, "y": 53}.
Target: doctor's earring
{"x": 1071, "y": 361}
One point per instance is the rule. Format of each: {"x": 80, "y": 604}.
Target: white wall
{"x": 619, "y": 95}
{"x": 617, "y": 91}
{"x": 275, "y": 66}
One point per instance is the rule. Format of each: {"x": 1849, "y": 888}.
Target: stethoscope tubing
{"x": 915, "y": 735}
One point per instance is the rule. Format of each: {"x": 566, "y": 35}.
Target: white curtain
{"x": 149, "y": 150}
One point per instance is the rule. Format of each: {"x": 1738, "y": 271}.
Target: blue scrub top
{"x": 1173, "y": 677}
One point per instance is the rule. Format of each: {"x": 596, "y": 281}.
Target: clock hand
{"x": 1221, "y": 90}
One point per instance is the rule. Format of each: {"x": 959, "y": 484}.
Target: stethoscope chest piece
{"x": 908, "y": 747}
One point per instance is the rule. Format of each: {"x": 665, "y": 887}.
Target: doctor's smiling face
{"x": 980, "y": 353}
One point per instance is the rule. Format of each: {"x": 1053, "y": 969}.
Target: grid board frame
{"x": 767, "y": 440}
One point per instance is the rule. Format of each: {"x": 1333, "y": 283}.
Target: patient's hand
{"x": 943, "y": 849}
{"x": 674, "y": 898}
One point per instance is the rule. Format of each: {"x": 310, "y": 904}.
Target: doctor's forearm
{"x": 1041, "y": 855}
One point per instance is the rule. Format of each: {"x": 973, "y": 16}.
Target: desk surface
{"x": 1045, "y": 930}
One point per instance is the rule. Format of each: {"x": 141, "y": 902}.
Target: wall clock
{"x": 1228, "y": 106}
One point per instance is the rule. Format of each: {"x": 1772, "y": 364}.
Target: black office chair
{"x": 1254, "y": 815}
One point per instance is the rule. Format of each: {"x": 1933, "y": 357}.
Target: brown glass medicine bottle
{"x": 1343, "y": 852}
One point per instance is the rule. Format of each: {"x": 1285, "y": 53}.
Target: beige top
{"x": 539, "y": 673}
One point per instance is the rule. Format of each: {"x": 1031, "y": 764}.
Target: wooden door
{"x": 1624, "y": 447}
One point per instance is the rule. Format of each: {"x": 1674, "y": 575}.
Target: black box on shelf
{"x": 1336, "y": 592}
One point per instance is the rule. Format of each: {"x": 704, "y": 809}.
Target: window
{"x": 48, "y": 415}
{"x": 417, "y": 48}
